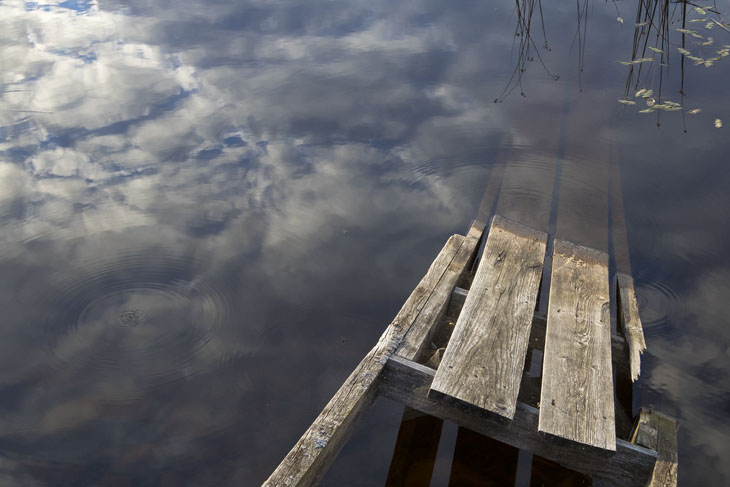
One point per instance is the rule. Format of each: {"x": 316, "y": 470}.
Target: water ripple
{"x": 136, "y": 318}
{"x": 658, "y": 303}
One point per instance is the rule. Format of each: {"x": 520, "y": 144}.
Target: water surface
{"x": 211, "y": 210}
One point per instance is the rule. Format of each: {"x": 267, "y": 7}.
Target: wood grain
{"x": 630, "y": 322}
{"x": 420, "y": 332}
{"x": 665, "y": 471}
{"x": 484, "y": 359}
{"x": 659, "y": 432}
{"x": 576, "y": 402}
{"x": 408, "y": 382}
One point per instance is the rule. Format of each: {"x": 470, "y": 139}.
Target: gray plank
{"x": 665, "y": 471}
{"x": 408, "y": 382}
{"x": 420, "y": 333}
{"x": 315, "y": 451}
{"x": 645, "y": 429}
{"x": 619, "y": 348}
{"x": 576, "y": 401}
{"x": 484, "y": 359}
{"x": 658, "y": 432}
{"x": 628, "y": 314}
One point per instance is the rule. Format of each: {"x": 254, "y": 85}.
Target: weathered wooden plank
{"x": 408, "y": 382}
{"x": 484, "y": 359}
{"x": 318, "y": 447}
{"x": 659, "y": 432}
{"x": 619, "y": 348}
{"x": 645, "y": 429}
{"x": 576, "y": 401}
{"x": 665, "y": 471}
{"x": 419, "y": 334}
{"x": 630, "y": 322}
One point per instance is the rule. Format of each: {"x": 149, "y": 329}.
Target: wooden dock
{"x": 475, "y": 373}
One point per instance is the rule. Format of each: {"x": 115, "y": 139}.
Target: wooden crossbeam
{"x": 484, "y": 359}
{"x": 408, "y": 382}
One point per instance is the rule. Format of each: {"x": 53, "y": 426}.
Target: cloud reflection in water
{"x": 258, "y": 182}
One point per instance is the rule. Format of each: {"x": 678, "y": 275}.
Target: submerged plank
{"x": 659, "y": 432}
{"x": 628, "y": 317}
{"x": 484, "y": 359}
{"x": 576, "y": 402}
{"x": 419, "y": 334}
{"x": 310, "y": 457}
{"x": 665, "y": 471}
{"x": 408, "y": 382}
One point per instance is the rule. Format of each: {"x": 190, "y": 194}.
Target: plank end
{"x": 518, "y": 229}
{"x": 579, "y": 252}
{"x": 499, "y": 413}
{"x": 628, "y": 312}
{"x": 605, "y": 447}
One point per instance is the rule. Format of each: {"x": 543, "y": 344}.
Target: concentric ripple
{"x": 658, "y": 302}
{"x": 141, "y": 319}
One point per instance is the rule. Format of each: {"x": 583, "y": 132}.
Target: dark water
{"x": 211, "y": 210}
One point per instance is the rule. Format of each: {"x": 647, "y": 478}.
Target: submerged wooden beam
{"x": 576, "y": 401}
{"x": 484, "y": 359}
{"x": 310, "y": 457}
{"x": 659, "y": 431}
{"x": 408, "y": 382}
{"x": 629, "y": 320}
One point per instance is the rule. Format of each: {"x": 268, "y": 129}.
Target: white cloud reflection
{"x": 261, "y": 143}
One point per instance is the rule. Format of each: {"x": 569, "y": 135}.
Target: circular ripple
{"x": 658, "y": 302}
{"x": 144, "y": 320}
